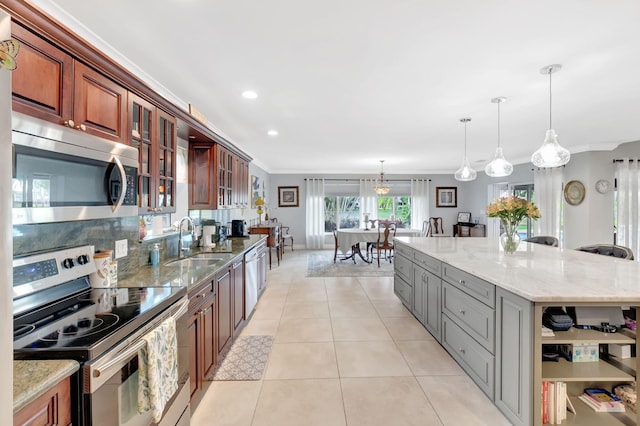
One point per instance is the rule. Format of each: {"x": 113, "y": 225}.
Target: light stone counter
{"x": 33, "y": 378}
{"x": 537, "y": 272}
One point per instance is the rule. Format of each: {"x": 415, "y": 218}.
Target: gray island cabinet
{"x": 485, "y": 308}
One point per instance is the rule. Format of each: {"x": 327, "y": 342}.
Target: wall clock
{"x": 603, "y": 186}
{"x": 574, "y": 192}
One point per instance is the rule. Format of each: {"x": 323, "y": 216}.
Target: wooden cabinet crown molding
{"x": 45, "y": 26}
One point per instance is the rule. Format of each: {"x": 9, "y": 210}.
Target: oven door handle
{"x": 133, "y": 349}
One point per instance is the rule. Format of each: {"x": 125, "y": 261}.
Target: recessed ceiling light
{"x": 272, "y": 133}
{"x": 249, "y": 94}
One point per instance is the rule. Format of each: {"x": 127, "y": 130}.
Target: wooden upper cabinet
{"x": 42, "y": 84}
{"x": 49, "y": 84}
{"x": 218, "y": 178}
{"x": 100, "y": 105}
{"x": 153, "y": 133}
{"x": 166, "y": 157}
{"x": 202, "y": 176}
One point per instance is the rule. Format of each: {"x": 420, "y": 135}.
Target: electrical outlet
{"x": 121, "y": 248}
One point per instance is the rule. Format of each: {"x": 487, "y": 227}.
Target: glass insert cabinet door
{"x": 154, "y": 134}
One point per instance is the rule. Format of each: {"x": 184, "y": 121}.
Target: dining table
{"x": 349, "y": 239}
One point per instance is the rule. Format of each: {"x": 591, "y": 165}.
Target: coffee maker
{"x": 239, "y": 228}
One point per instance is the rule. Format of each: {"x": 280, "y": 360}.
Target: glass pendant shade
{"x": 465, "y": 173}
{"x": 550, "y": 154}
{"x": 499, "y": 166}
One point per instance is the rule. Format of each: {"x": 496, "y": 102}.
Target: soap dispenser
{"x": 154, "y": 255}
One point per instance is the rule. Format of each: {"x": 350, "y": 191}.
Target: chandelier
{"x": 550, "y": 154}
{"x": 381, "y": 187}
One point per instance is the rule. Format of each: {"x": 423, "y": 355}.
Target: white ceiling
{"x": 350, "y": 82}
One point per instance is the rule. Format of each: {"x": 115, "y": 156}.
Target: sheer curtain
{"x": 547, "y": 183}
{"x": 419, "y": 202}
{"x": 368, "y": 199}
{"x": 628, "y": 177}
{"x": 315, "y": 214}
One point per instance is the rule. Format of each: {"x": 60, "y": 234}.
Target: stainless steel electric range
{"x": 57, "y": 315}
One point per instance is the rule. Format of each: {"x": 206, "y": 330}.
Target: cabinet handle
{"x": 82, "y": 127}
{"x": 462, "y": 312}
{"x": 202, "y": 296}
{"x": 461, "y": 350}
{"x": 461, "y": 282}
{"x": 69, "y": 123}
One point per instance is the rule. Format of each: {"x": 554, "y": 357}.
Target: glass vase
{"x": 510, "y": 240}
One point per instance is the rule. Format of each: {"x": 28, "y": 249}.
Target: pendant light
{"x": 381, "y": 188}
{"x": 465, "y": 172}
{"x": 550, "y": 154}
{"x": 499, "y": 166}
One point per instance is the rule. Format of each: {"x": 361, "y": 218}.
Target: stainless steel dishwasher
{"x": 250, "y": 282}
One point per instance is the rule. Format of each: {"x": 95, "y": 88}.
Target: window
{"x": 343, "y": 211}
{"x": 396, "y": 207}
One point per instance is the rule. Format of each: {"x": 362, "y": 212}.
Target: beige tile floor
{"x": 346, "y": 352}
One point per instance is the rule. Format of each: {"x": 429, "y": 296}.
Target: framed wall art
{"x": 288, "y": 196}
{"x": 446, "y": 196}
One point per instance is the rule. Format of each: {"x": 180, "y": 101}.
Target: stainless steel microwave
{"x": 62, "y": 174}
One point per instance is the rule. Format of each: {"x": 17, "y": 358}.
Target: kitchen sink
{"x": 189, "y": 261}
{"x": 200, "y": 259}
{"x": 208, "y": 256}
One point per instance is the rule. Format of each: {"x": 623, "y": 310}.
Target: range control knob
{"x": 68, "y": 263}
{"x": 83, "y": 259}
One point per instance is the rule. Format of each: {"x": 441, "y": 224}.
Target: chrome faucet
{"x": 184, "y": 244}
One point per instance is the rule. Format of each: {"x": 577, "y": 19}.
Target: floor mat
{"x": 321, "y": 265}
{"x": 245, "y": 360}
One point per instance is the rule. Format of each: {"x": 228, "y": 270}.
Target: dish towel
{"x": 158, "y": 369}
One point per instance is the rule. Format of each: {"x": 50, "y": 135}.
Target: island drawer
{"x": 474, "y": 286}
{"x": 472, "y": 357}
{"x": 427, "y": 262}
{"x": 476, "y": 318}
{"x": 404, "y": 250}
{"x": 403, "y": 290}
{"x": 404, "y": 268}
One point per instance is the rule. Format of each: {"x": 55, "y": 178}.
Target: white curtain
{"x": 547, "y": 183}
{"x": 315, "y": 214}
{"x": 628, "y": 177}
{"x": 419, "y": 202}
{"x": 368, "y": 199}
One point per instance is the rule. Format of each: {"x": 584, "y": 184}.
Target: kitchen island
{"x": 485, "y": 308}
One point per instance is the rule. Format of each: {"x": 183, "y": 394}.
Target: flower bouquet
{"x": 511, "y": 210}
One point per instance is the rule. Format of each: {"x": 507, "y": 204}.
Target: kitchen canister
{"x": 101, "y": 277}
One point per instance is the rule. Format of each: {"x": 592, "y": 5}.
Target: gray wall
{"x": 588, "y": 223}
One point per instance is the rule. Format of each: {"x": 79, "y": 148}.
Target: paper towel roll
{"x": 157, "y": 225}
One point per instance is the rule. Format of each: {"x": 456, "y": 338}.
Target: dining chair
{"x": 386, "y": 233}
{"x": 286, "y": 237}
{"x": 608, "y": 250}
{"x": 335, "y": 249}
{"x": 425, "y": 228}
{"x": 434, "y": 227}
{"x": 546, "y": 240}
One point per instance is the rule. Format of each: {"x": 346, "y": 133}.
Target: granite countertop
{"x": 190, "y": 274}
{"x": 33, "y": 378}
{"x": 537, "y": 272}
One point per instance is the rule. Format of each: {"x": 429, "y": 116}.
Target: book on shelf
{"x": 547, "y": 332}
{"x": 602, "y": 400}
{"x": 554, "y": 402}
